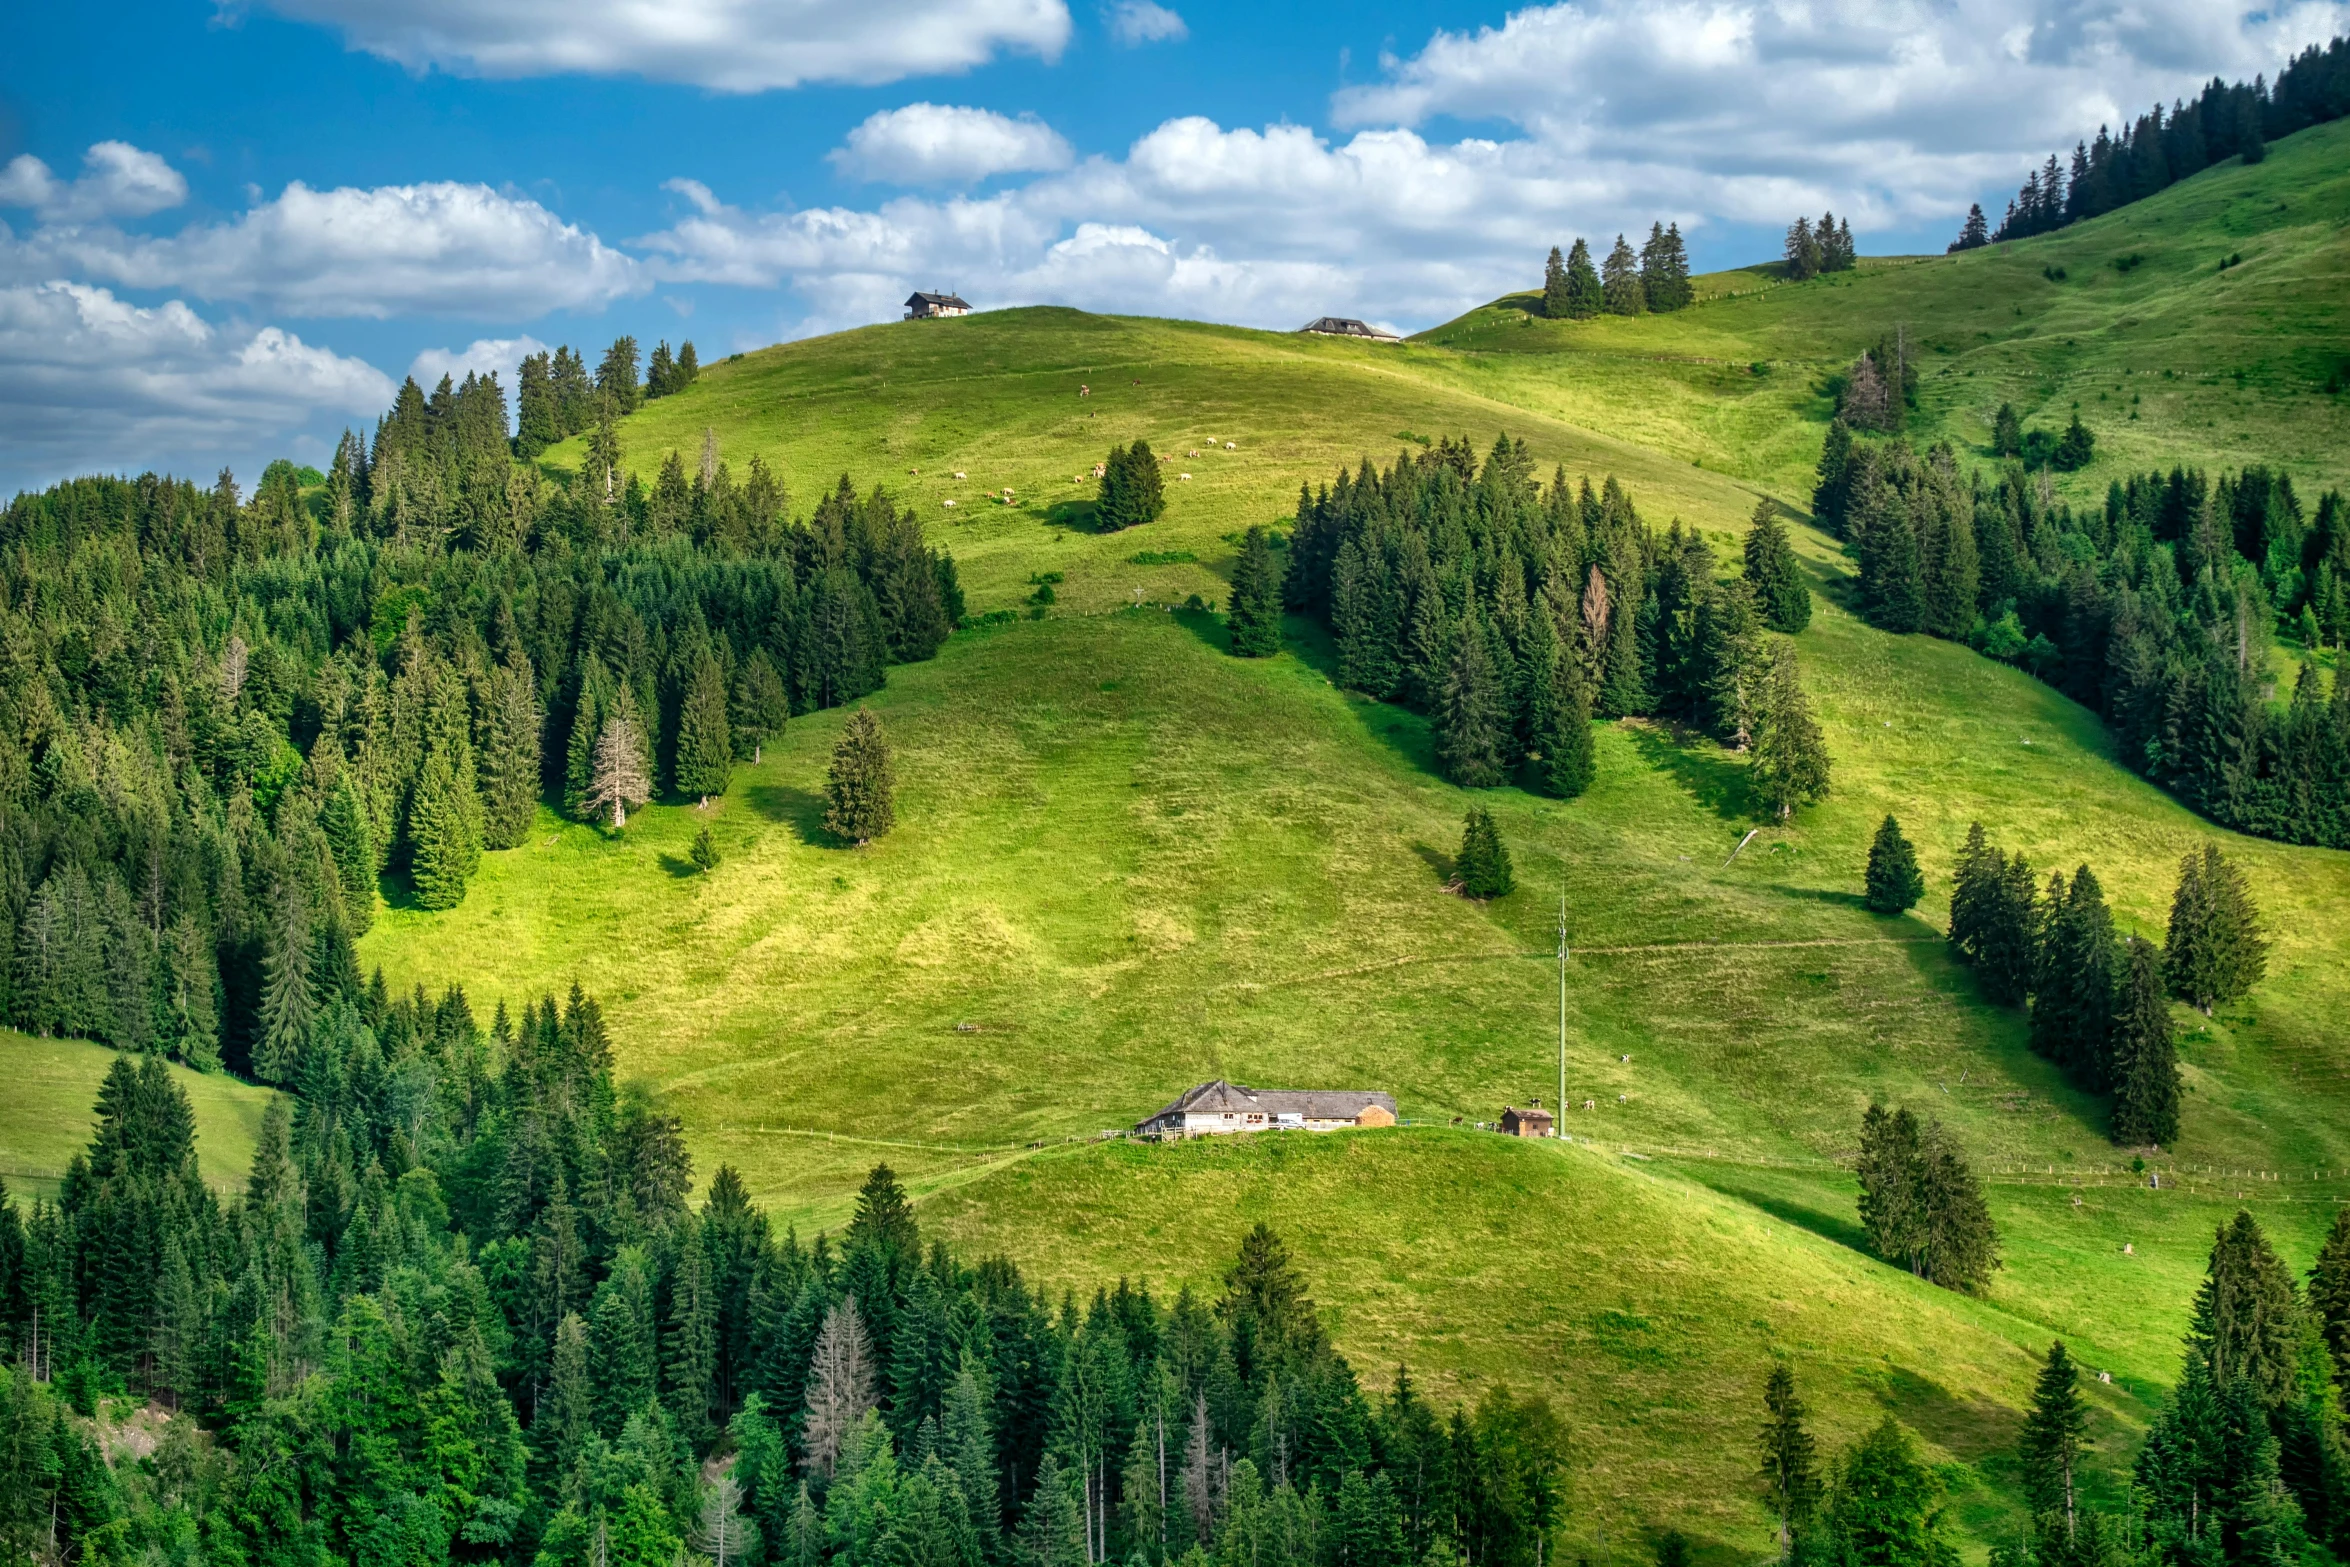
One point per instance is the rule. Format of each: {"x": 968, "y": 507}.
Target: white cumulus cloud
{"x": 428, "y": 249}
{"x": 89, "y": 381}
{"x": 940, "y": 144}
{"x": 498, "y": 356}
{"x": 726, "y": 45}
{"x": 1137, "y": 22}
{"x": 118, "y": 180}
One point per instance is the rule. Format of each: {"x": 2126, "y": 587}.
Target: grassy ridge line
{"x": 2247, "y": 351}
{"x": 54, "y": 1085}
{"x": 965, "y": 395}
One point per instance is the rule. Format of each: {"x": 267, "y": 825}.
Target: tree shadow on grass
{"x": 1701, "y": 768}
{"x": 679, "y": 868}
{"x": 1965, "y": 1427}
{"x": 1436, "y": 860}
{"x": 1843, "y": 900}
{"x": 802, "y": 810}
{"x": 1073, "y": 516}
{"x": 1406, "y": 733}
{"x": 1835, "y": 1227}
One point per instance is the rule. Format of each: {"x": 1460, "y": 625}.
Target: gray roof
{"x": 1343, "y": 326}
{"x": 954, "y": 300}
{"x": 1315, "y": 1104}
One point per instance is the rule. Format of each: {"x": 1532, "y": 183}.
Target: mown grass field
{"x": 46, "y": 1120}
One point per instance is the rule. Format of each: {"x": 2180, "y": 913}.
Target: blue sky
{"x": 226, "y": 231}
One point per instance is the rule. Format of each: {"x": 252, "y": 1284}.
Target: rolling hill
{"x": 1128, "y": 862}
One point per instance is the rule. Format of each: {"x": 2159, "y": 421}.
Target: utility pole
{"x": 1559, "y": 1121}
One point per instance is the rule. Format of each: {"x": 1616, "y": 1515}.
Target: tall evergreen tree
{"x": 1790, "y": 1458}
{"x": 2074, "y": 987}
{"x": 1894, "y": 882}
{"x": 1472, "y": 723}
{"x": 1780, "y": 591}
{"x": 289, "y": 1006}
{"x": 1132, "y": 492}
{"x": 444, "y": 828}
{"x": 2247, "y": 1321}
{"x": 1790, "y": 766}
{"x": 509, "y": 753}
{"x": 1831, "y": 495}
{"x": 861, "y": 786}
{"x": 1554, "y": 286}
{"x": 2056, "y": 1433}
{"x": 705, "y": 743}
{"x": 1483, "y": 867}
{"x": 1255, "y": 619}
{"x": 616, "y": 377}
{"x": 2215, "y": 950}
{"x": 758, "y": 708}
{"x": 1586, "y": 296}
{"x": 2145, "y": 1053}
{"x": 2329, "y": 1299}
{"x": 1620, "y": 281}
{"x": 1562, "y": 730}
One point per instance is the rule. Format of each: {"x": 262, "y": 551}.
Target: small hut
{"x": 1533, "y": 1121}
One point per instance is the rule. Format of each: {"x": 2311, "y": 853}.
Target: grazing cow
{"x": 950, "y": 503}
{"x": 960, "y": 474}
{"x": 1232, "y": 446}
{"x": 1101, "y": 470}
{"x": 1183, "y": 476}
{"x": 1084, "y": 391}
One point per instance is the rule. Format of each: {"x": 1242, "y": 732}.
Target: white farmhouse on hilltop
{"x": 1231, "y": 1107}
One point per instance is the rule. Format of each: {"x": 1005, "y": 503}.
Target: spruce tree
{"x": 1773, "y": 572}
{"x": 1562, "y": 731}
{"x": 289, "y": 1006}
{"x": 1554, "y": 286}
{"x": 704, "y": 853}
{"x": 2073, "y": 1007}
{"x": 861, "y": 787}
{"x": 350, "y": 844}
{"x": 1623, "y": 685}
{"x": 2145, "y": 1053}
{"x": 1974, "y": 885}
{"x": 1483, "y": 869}
{"x": 1831, "y": 495}
{"x": 1894, "y": 883}
{"x": 1255, "y": 619}
{"x": 1620, "y": 285}
{"x": 2007, "y": 432}
{"x": 444, "y": 829}
{"x": 1790, "y": 766}
{"x": 1132, "y": 492}
{"x": 1586, "y": 295}
{"x": 591, "y": 705}
{"x": 1790, "y": 1458}
{"x": 758, "y": 707}
{"x": 1472, "y": 722}
{"x": 2007, "y": 956}
{"x": 2056, "y": 1433}
{"x": 2246, "y": 1321}
{"x": 509, "y": 752}
{"x": 705, "y": 744}
{"x": 2329, "y": 1299}
{"x": 2215, "y": 951}
{"x": 1961, "y": 1242}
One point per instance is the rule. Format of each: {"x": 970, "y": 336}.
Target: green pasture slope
{"x": 2167, "y": 357}
{"x": 52, "y": 1085}
{"x": 1127, "y": 862}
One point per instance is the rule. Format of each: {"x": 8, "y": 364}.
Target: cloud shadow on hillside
{"x": 1701, "y": 768}
{"x": 802, "y": 810}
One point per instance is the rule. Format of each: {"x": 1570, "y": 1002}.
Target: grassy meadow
{"x": 1127, "y": 862}
{"x": 53, "y": 1085}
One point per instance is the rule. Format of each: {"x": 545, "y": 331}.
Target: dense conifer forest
{"x": 2159, "y": 610}
{"x": 2224, "y": 121}
{"x": 223, "y": 718}
{"x": 1513, "y": 612}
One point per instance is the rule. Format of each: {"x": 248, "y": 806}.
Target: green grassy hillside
{"x": 52, "y": 1084}
{"x": 2167, "y": 357}
{"x": 1127, "y": 862}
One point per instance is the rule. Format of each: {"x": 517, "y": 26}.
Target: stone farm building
{"x": 921, "y": 307}
{"x": 1230, "y": 1107}
{"x": 1347, "y": 326}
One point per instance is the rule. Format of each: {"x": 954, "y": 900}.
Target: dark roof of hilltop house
{"x": 1347, "y": 326}
{"x": 951, "y": 301}
{"x": 1315, "y": 1104}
